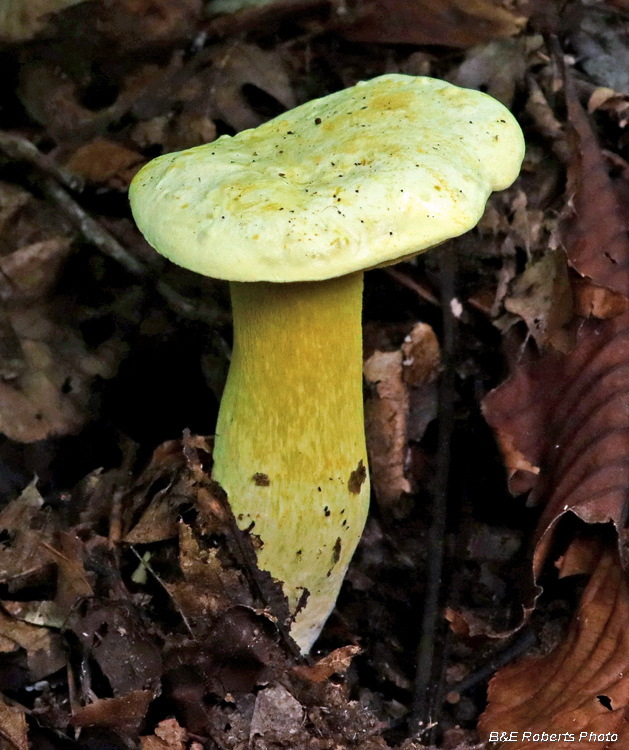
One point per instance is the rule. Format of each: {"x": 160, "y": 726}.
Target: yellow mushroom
{"x": 292, "y": 213}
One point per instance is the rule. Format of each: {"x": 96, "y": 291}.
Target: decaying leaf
{"x": 405, "y": 405}
{"x": 25, "y": 529}
{"x": 13, "y": 729}
{"x": 24, "y": 19}
{"x": 569, "y": 414}
{"x": 126, "y": 712}
{"x": 596, "y": 236}
{"x": 105, "y": 161}
{"x": 208, "y": 587}
{"x": 28, "y": 273}
{"x": 453, "y": 23}
{"x": 542, "y": 297}
{"x": 45, "y": 650}
{"x": 335, "y": 663}
{"x": 168, "y": 736}
{"x": 52, "y": 394}
{"x": 581, "y": 689}
{"x": 277, "y": 715}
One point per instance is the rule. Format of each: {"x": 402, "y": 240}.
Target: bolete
{"x": 292, "y": 213}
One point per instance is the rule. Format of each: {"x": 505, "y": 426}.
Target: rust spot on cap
{"x": 357, "y": 477}
{"x": 261, "y": 480}
{"x": 336, "y": 554}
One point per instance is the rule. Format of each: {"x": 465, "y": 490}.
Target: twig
{"x": 155, "y": 575}
{"x": 421, "y": 716}
{"x": 108, "y": 245}
{"x": 20, "y": 148}
{"x": 415, "y": 286}
{"x": 522, "y": 645}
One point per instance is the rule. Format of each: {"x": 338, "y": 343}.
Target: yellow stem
{"x": 290, "y": 440}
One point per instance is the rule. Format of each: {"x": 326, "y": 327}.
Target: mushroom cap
{"x": 362, "y": 177}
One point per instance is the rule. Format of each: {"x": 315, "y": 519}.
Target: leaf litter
{"x": 131, "y": 606}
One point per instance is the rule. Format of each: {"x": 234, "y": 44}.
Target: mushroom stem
{"x": 290, "y": 440}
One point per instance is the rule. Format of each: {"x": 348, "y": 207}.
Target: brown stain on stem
{"x": 357, "y": 477}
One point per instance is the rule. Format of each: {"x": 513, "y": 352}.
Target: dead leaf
{"x": 385, "y": 426}
{"x": 126, "y": 712}
{"x": 208, "y": 587}
{"x": 337, "y": 662}
{"x": 277, "y": 715}
{"x": 25, "y": 528}
{"x": 13, "y": 729}
{"x": 581, "y": 688}
{"x": 569, "y": 414}
{"x": 45, "y": 649}
{"x": 596, "y": 302}
{"x": 105, "y": 161}
{"x": 168, "y": 736}
{"x": 406, "y": 402}
{"x": 113, "y": 634}
{"x": 51, "y": 396}
{"x": 28, "y": 273}
{"x": 596, "y": 235}
{"x": 21, "y": 20}
{"x": 542, "y": 297}
{"x": 453, "y": 23}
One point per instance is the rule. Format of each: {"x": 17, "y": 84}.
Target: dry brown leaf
{"x": 385, "y": 426}
{"x": 208, "y": 588}
{"x": 45, "y": 650}
{"x": 168, "y": 736}
{"x": 596, "y": 302}
{"x": 277, "y": 715}
{"x": 582, "y": 688}
{"x": 13, "y": 729}
{"x": 542, "y": 297}
{"x": 337, "y": 662}
{"x": 596, "y": 236}
{"x": 31, "y": 271}
{"x": 24, "y": 19}
{"x": 406, "y": 402}
{"x": 105, "y": 161}
{"x": 570, "y": 415}
{"x": 25, "y": 528}
{"x": 72, "y": 580}
{"x": 51, "y": 396}
{"x": 453, "y": 23}
{"x": 126, "y": 712}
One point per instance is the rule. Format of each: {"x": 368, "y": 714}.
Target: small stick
{"x": 20, "y": 148}
{"x": 421, "y": 715}
{"x": 415, "y": 286}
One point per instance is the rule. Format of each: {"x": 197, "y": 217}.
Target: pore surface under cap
{"x": 370, "y": 174}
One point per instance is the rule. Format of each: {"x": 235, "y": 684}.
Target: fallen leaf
{"x": 21, "y": 20}
{"x": 542, "y": 297}
{"x": 126, "y": 712}
{"x": 277, "y": 715}
{"x": 51, "y": 396}
{"x": 580, "y": 688}
{"x": 45, "y": 649}
{"x": 168, "y": 736}
{"x": 113, "y": 634}
{"x": 29, "y": 272}
{"x": 13, "y": 729}
{"x": 595, "y": 236}
{"x": 569, "y": 415}
{"x": 404, "y": 403}
{"x": 105, "y": 161}
{"x": 337, "y": 662}
{"x": 25, "y": 527}
{"x": 385, "y": 426}
{"x": 453, "y": 23}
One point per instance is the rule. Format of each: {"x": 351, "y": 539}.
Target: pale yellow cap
{"x": 359, "y": 178}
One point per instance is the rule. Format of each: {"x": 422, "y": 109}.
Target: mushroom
{"x": 292, "y": 213}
